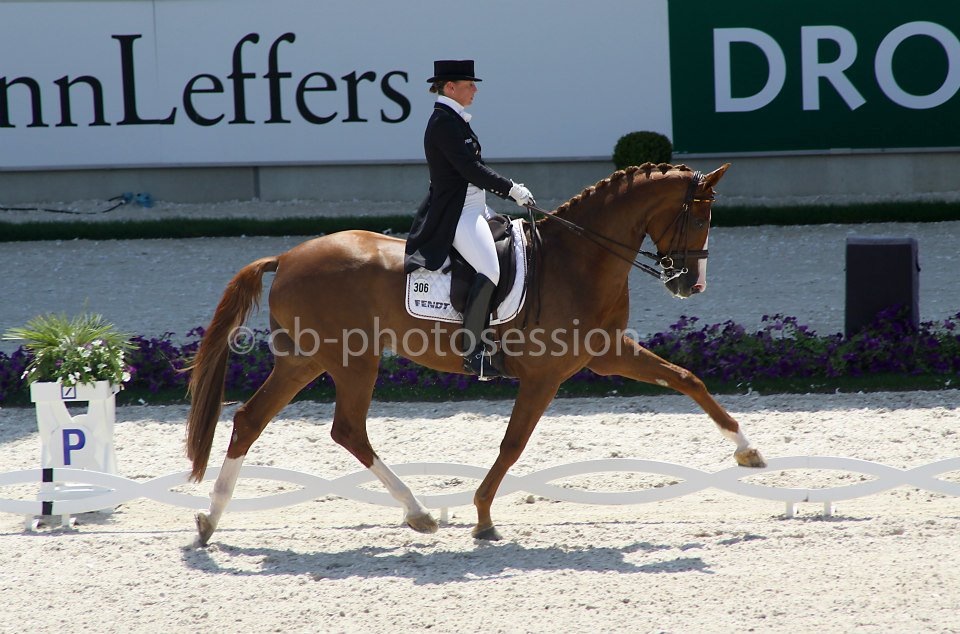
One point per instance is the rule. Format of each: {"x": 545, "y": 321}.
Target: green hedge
{"x": 196, "y": 228}
{"x": 723, "y": 216}
{"x": 747, "y": 216}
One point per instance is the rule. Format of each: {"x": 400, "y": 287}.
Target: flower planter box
{"x": 77, "y": 441}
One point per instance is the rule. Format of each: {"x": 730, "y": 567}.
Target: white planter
{"x": 81, "y": 441}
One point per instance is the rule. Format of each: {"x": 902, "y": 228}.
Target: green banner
{"x": 762, "y": 76}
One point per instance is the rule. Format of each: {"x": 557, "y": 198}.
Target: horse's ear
{"x": 714, "y": 177}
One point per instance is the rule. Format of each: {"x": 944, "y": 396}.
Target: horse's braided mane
{"x": 647, "y": 170}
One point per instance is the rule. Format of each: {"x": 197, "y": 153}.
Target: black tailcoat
{"x": 453, "y": 157}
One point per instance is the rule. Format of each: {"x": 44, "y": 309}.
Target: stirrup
{"x": 480, "y": 364}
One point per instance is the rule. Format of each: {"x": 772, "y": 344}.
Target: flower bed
{"x": 781, "y": 350}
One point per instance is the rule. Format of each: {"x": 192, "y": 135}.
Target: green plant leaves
{"x": 79, "y": 350}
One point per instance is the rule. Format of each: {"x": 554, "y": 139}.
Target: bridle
{"x": 665, "y": 261}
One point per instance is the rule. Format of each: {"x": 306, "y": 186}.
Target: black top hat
{"x": 453, "y": 70}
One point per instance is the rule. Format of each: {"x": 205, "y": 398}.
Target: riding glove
{"x": 521, "y": 194}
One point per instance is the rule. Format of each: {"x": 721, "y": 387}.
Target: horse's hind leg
{"x": 630, "y": 359}
{"x": 354, "y": 392}
{"x": 289, "y": 376}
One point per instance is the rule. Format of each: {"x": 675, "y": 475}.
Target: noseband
{"x": 682, "y": 222}
{"x": 665, "y": 261}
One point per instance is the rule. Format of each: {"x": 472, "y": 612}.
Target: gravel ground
{"x": 706, "y": 562}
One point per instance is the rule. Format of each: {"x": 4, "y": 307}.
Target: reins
{"x": 665, "y": 261}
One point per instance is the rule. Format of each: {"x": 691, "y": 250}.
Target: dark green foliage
{"x": 750, "y": 216}
{"x": 197, "y": 228}
{"x": 637, "y": 148}
{"x": 723, "y": 216}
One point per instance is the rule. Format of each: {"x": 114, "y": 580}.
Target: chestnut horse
{"x": 575, "y": 318}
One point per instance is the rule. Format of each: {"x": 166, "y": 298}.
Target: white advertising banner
{"x": 128, "y": 83}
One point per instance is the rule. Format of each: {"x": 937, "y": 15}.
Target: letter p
{"x": 69, "y": 445}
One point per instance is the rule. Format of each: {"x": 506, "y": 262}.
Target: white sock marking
{"x": 223, "y": 488}
{"x": 397, "y": 488}
{"x": 739, "y": 438}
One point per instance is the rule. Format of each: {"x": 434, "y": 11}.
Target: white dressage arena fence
{"x": 112, "y": 490}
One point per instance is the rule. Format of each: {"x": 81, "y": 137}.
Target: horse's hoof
{"x": 490, "y": 533}
{"x": 422, "y": 523}
{"x": 205, "y": 528}
{"x": 750, "y": 458}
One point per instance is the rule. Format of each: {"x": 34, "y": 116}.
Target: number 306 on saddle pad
{"x": 428, "y": 292}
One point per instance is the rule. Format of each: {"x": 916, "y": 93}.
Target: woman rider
{"x": 454, "y": 213}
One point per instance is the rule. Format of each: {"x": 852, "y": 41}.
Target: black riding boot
{"x": 475, "y": 314}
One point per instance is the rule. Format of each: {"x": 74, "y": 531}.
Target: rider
{"x": 454, "y": 213}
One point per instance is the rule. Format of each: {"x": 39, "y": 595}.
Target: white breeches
{"x": 473, "y": 238}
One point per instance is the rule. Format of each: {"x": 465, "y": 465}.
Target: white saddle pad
{"x": 428, "y": 292}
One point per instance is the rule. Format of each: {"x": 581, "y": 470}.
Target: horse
{"x": 575, "y": 317}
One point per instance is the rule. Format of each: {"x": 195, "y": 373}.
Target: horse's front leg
{"x": 532, "y": 400}
{"x": 633, "y": 361}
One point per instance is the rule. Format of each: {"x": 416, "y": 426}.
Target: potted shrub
{"x": 637, "y": 148}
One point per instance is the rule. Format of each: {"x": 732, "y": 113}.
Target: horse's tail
{"x": 209, "y": 366}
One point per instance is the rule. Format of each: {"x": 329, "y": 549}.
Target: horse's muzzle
{"x": 690, "y": 283}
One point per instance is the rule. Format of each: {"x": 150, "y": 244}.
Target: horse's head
{"x": 680, "y": 234}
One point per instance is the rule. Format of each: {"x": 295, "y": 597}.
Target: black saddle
{"x": 462, "y": 274}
